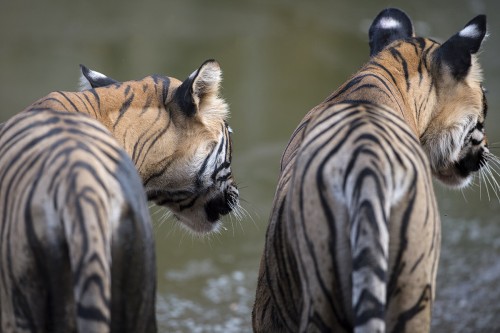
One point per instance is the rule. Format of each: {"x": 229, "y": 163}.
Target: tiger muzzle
{"x": 472, "y": 162}
{"x": 221, "y": 205}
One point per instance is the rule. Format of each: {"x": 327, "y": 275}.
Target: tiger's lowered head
{"x": 175, "y": 132}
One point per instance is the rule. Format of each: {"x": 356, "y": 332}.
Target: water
{"x": 280, "y": 58}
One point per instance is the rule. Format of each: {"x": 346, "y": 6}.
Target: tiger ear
{"x": 202, "y": 83}
{"x": 390, "y": 24}
{"x": 90, "y": 79}
{"x": 455, "y": 55}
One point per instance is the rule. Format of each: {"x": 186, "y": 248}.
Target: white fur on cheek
{"x": 444, "y": 148}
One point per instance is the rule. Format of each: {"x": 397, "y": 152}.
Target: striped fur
{"x": 354, "y": 236}
{"x": 76, "y": 248}
{"x": 71, "y": 204}
{"x": 175, "y": 132}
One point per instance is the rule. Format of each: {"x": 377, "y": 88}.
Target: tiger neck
{"x": 377, "y": 85}
{"x": 127, "y": 123}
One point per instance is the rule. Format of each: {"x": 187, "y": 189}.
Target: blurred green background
{"x": 280, "y": 58}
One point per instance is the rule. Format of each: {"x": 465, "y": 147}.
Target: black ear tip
{"x": 390, "y": 24}
{"x": 480, "y": 21}
{"x": 211, "y": 62}
{"x": 475, "y": 29}
{"x": 393, "y": 12}
{"x": 391, "y": 19}
{"x": 84, "y": 69}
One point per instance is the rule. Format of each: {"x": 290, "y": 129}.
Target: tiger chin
{"x": 354, "y": 236}
{"x": 175, "y": 132}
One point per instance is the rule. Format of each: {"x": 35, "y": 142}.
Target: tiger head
{"x": 448, "y": 102}
{"x": 177, "y": 135}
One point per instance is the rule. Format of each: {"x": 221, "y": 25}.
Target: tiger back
{"x": 72, "y": 204}
{"x": 354, "y": 236}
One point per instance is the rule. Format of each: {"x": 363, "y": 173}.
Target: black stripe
{"x": 379, "y": 65}
{"x": 409, "y": 314}
{"x": 366, "y": 258}
{"x": 375, "y": 309}
{"x": 345, "y": 88}
{"x": 89, "y": 101}
{"x": 397, "y": 55}
{"x": 95, "y": 280}
{"x": 63, "y": 94}
{"x": 97, "y": 98}
{"x": 399, "y": 264}
{"x": 154, "y": 137}
{"x": 92, "y": 313}
{"x": 419, "y": 260}
{"x": 125, "y": 106}
{"x": 22, "y": 132}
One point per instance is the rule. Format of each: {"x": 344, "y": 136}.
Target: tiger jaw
{"x": 199, "y": 214}
{"x": 461, "y": 173}
{"x": 206, "y": 220}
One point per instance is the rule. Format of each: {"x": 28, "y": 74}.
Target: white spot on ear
{"x": 93, "y": 75}
{"x": 229, "y": 129}
{"x": 470, "y": 31}
{"x": 96, "y": 75}
{"x": 388, "y": 23}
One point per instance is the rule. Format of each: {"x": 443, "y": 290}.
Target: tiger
{"x": 76, "y": 171}
{"x": 354, "y": 235}
{"x": 76, "y": 242}
{"x": 176, "y": 133}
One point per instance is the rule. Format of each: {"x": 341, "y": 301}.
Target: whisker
{"x": 250, "y": 217}
{"x": 492, "y": 159}
{"x": 492, "y": 167}
{"x": 463, "y": 194}
{"x": 480, "y": 186}
{"x": 485, "y": 183}
{"x": 492, "y": 181}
